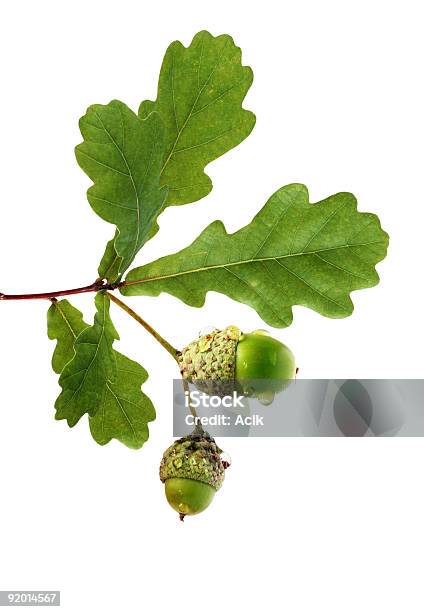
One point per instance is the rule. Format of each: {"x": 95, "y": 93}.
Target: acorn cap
{"x": 196, "y": 457}
{"x": 212, "y": 358}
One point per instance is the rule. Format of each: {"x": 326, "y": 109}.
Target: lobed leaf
{"x": 200, "y": 94}
{"x": 293, "y": 252}
{"x": 83, "y": 379}
{"x": 123, "y": 410}
{"x": 64, "y": 324}
{"x": 123, "y": 155}
{"x": 138, "y": 168}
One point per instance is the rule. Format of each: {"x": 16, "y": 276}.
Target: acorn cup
{"x": 223, "y": 361}
{"x": 192, "y": 470}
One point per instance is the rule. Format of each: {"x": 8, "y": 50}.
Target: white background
{"x": 301, "y": 524}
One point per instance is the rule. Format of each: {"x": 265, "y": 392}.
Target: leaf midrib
{"x": 80, "y": 386}
{"x": 129, "y": 174}
{"x": 199, "y": 93}
{"x": 65, "y": 318}
{"x": 244, "y": 262}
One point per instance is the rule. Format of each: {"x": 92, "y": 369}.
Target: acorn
{"x": 228, "y": 360}
{"x": 192, "y": 471}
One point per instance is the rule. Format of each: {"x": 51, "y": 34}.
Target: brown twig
{"x": 99, "y": 285}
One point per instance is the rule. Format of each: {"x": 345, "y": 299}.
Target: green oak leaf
{"x": 84, "y": 379}
{"x": 64, "y": 324}
{"x": 124, "y": 410}
{"x": 200, "y": 94}
{"x": 292, "y": 253}
{"x": 138, "y": 168}
{"x": 123, "y": 155}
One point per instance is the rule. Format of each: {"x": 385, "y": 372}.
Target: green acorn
{"x": 192, "y": 470}
{"x": 226, "y": 360}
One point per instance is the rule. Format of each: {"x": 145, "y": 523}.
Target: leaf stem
{"x": 166, "y": 345}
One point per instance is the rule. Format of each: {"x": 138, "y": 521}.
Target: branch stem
{"x": 166, "y": 345}
{"x": 99, "y": 285}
